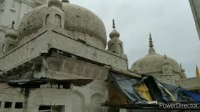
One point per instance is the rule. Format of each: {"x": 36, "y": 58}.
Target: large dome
{"x": 153, "y": 64}
{"x": 77, "y": 19}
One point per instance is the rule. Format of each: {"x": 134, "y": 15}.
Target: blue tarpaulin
{"x": 157, "y": 89}
{"x": 193, "y": 95}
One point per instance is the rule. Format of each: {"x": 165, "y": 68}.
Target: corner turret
{"x": 115, "y": 45}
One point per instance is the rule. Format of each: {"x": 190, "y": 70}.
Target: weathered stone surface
{"x": 76, "y": 19}
{"x": 45, "y": 39}
{"x": 72, "y": 66}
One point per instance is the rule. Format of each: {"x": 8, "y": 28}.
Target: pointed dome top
{"x": 151, "y": 49}
{"x": 55, "y": 3}
{"x": 114, "y": 33}
{"x": 11, "y": 33}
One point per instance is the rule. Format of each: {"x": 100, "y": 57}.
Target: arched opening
{"x": 57, "y": 20}
{"x": 96, "y": 101}
{"x": 121, "y": 48}
{"x": 11, "y": 46}
{"x": 47, "y": 19}
{"x": 78, "y": 102}
{"x": 112, "y": 48}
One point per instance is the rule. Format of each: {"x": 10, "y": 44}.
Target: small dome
{"x": 55, "y": 3}
{"x": 153, "y": 64}
{"x": 182, "y": 69}
{"x": 114, "y": 33}
{"x": 77, "y": 19}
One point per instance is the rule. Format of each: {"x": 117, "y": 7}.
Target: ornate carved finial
{"x": 114, "y": 23}
{"x": 150, "y": 40}
{"x": 65, "y": 1}
{"x": 13, "y": 24}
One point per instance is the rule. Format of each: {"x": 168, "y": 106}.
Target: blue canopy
{"x": 193, "y": 95}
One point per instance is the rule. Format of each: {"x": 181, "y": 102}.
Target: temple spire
{"x": 114, "y": 33}
{"x": 150, "y": 40}
{"x": 151, "y": 49}
{"x": 115, "y": 45}
{"x": 114, "y": 23}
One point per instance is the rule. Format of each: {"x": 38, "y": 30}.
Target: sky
{"x": 170, "y": 22}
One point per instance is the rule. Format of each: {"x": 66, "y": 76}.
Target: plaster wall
{"x": 76, "y": 99}
{"x": 53, "y": 37}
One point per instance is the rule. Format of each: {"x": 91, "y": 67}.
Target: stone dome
{"x": 114, "y": 33}
{"x": 153, "y": 64}
{"x": 77, "y": 19}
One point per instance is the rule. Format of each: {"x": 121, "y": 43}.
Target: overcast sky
{"x": 170, "y": 22}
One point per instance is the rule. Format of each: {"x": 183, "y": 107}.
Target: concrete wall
{"x": 41, "y": 42}
{"x": 77, "y": 99}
